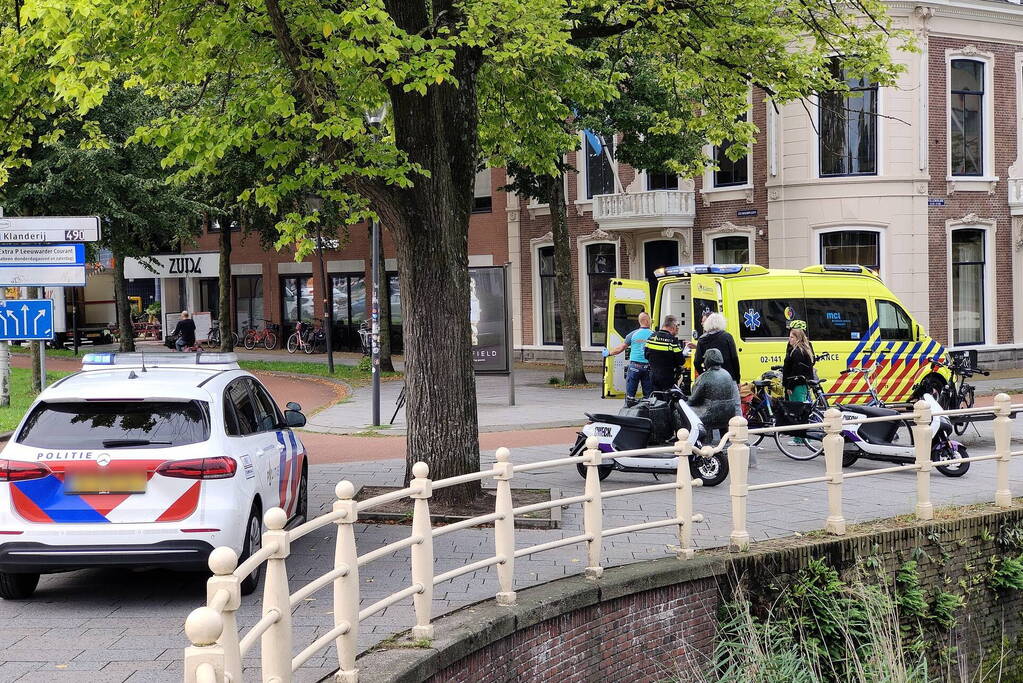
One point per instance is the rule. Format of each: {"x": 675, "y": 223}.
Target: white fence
{"x": 217, "y": 648}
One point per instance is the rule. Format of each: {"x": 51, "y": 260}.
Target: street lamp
{"x": 314, "y": 203}
{"x": 375, "y": 119}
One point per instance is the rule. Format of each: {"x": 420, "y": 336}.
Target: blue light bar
{"x": 98, "y": 359}
{"x": 157, "y": 360}
{"x": 844, "y": 269}
{"x": 698, "y": 269}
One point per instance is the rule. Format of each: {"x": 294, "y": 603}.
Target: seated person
{"x": 715, "y": 396}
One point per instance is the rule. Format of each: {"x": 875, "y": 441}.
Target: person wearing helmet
{"x": 798, "y": 366}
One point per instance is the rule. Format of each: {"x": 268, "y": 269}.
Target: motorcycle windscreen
{"x": 626, "y": 300}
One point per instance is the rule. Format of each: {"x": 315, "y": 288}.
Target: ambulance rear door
{"x": 626, "y": 300}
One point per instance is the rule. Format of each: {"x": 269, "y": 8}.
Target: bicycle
{"x": 301, "y": 339}
{"x": 267, "y": 336}
{"x": 398, "y": 404}
{"x": 213, "y": 338}
{"x": 952, "y": 396}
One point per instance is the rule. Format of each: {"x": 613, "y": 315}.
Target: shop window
{"x": 731, "y": 249}
{"x": 248, "y": 301}
{"x": 348, "y": 296}
{"x": 848, "y": 127}
{"x": 297, "y": 299}
{"x": 966, "y": 118}
{"x": 851, "y": 247}
{"x": 550, "y": 311}
{"x": 394, "y": 289}
{"x": 968, "y": 286}
{"x": 601, "y": 266}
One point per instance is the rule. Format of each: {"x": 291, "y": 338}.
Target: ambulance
{"x": 852, "y": 319}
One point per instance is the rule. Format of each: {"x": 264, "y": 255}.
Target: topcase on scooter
{"x": 659, "y": 414}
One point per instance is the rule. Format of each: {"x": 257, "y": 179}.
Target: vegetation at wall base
{"x": 349, "y": 373}
{"x": 22, "y": 396}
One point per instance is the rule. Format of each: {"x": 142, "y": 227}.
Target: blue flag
{"x": 594, "y": 141}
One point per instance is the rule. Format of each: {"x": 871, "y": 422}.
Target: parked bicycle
{"x": 267, "y": 337}
{"x": 957, "y": 392}
{"x": 213, "y": 339}
{"x": 301, "y": 339}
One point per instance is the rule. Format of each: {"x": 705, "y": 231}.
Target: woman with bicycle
{"x": 798, "y": 366}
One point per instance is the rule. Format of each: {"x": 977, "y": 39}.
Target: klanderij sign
{"x": 173, "y": 265}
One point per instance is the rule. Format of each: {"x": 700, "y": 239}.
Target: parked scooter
{"x": 893, "y": 441}
{"x": 625, "y": 433}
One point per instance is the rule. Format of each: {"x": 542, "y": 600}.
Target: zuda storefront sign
{"x": 173, "y": 265}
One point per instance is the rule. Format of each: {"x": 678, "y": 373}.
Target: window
{"x": 768, "y": 318}
{"x": 893, "y": 322}
{"x": 731, "y": 249}
{"x": 296, "y": 298}
{"x": 601, "y": 266}
{"x": 967, "y": 286}
{"x": 835, "y": 319}
{"x": 626, "y": 318}
{"x": 482, "y": 200}
{"x": 851, "y": 247}
{"x": 214, "y": 225}
{"x": 730, "y": 172}
{"x": 348, "y": 294}
{"x": 550, "y": 311}
{"x": 848, "y": 127}
{"x": 103, "y": 424}
{"x": 268, "y": 416}
{"x": 701, "y": 306}
{"x": 661, "y": 180}
{"x": 394, "y": 287}
{"x": 966, "y": 118}
{"x": 242, "y": 407}
{"x": 248, "y": 301}
{"x": 600, "y": 177}
{"x": 209, "y": 296}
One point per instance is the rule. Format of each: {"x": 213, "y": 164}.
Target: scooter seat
{"x": 871, "y": 411}
{"x": 623, "y": 420}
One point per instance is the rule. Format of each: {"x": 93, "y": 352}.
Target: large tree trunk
{"x": 226, "y": 338}
{"x": 386, "y": 365}
{"x": 574, "y": 373}
{"x": 37, "y": 380}
{"x": 123, "y": 309}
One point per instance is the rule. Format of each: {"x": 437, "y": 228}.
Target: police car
{"x": 146, "y": 460}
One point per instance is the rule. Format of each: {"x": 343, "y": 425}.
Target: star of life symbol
{"x": 751, "y": 319}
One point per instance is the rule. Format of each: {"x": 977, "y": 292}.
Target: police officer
{"x": 664, "y": 353}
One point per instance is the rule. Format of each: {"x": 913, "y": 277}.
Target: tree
{"x": 462, "y": 81}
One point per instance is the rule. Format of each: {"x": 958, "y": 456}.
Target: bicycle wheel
{"x": 805, "y": 446}
{"x": 294, "y": 342}
{"x": 309, "y": 344}
{"x": 270, "y": 341}
{"x": 250, "y": 340}
{"x": 759, "y": 417}
{"x": 966, "y": 397}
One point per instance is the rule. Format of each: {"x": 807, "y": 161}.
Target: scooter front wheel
{"x": 712, "y": 470}
{"x": 603, "y": 471}
{"x": 947, "y": 454}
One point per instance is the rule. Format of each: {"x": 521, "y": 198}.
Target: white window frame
{"x": 584, "y": 281}
{"x": 535, "y": 245}
{"x": 583, "y": 202}
{"x": 984, "y": 182}
{"x": 988, "y": 226}
{"x": 815, "y": 147}
{"x": 644, "y": 182}
{"x": 882, "y": 247}
{"x": 728, "y": 229}
{"x": 729, "y": 192}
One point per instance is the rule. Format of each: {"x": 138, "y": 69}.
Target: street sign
{"x": 43, "y": 229}
{"x": 42, "y": 276}
{"x": 27, "y": 319}
{"x": 44, "y": 255}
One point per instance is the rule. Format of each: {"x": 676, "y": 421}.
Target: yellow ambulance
{"x": 852, "y": 319}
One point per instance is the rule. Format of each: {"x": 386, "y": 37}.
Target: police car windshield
{"x": 106, "y": 424}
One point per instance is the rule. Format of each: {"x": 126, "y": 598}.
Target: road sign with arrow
{"x": 27, "y": 319}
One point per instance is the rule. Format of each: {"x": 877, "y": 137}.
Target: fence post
{"x": 275, "y": 645}
{"x": 223, "y": 561}
{"x": 593, "y": 515}
{"x": 738, "y": 472}
{"x": 422, "y": 552}
{"x": 203, "y": 627}
{"x": 684, "y": 484}
{"x": 504, "y": 529}
{"x": 346, "y": 586}
{"x": 833, "y": 447}
{"x": 1003, "y": 434}
{"x": 922, "y": 445}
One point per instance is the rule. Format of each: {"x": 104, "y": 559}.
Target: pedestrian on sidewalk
{"x": 638, "y": 372}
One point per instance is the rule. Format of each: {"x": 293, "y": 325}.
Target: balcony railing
{"x": 653, "y": 209}
{"x": 1016, "y": 196}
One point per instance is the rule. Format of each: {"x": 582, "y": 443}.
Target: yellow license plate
{"x": 119, "y": 482}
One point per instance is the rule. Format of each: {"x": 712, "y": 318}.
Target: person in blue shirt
{"x": 638, "y": 372}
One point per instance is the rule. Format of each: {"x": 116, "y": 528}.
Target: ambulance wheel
{"x": 603, "y": 471}
{"x": 253, "y": 542}
{"x": 712, "y": 470}
{"x": 17, "y": 586}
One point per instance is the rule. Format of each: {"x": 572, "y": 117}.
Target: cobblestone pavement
{"x": 110, "y": 625}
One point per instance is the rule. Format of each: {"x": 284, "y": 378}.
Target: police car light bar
{"x": 99, "y": 361}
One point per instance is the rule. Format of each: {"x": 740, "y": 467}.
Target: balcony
{"x": 1016, "y": 196}
{"x": 641, "y": 210}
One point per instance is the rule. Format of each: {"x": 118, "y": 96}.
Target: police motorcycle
{"x": 892, "y": 441}
{"x": 651, "y": 422}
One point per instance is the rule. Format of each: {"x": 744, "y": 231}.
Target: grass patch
{"x": 22, "y": 396}
{"x": 53, "y": 353}
{"x": 348, "y": 373}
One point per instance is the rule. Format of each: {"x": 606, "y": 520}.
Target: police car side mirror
{"x": 294, "y": 418}
{"x": 291, "y": 405}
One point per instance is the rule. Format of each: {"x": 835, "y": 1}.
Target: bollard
{"x": 1003, "y": 426}
{"x": 738, "y": 471}
{"x": 684, "y": 496}
{"x": 922, "y": 446}
{"x": 203, "y": 628}
{"x": 275, "y": 645}
{"x": 593, "y": 518}
{"x": 346, "y": 587}
{"x": 833, "y": 447}
{"x": 504, "y": 529}
{"x": 223, "y": 561}
{"x": 422, "y": 551}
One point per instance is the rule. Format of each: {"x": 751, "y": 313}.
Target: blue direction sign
{"x": 43, "y": 265}
{"x": 28, "y": 319}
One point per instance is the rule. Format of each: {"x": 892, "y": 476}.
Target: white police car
{"x": 145, "y": 460}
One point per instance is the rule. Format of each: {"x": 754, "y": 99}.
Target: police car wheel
{"x": 302, "y": 508}
{"x": 17, "y": 586}
{"x": 253, "y": 542}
